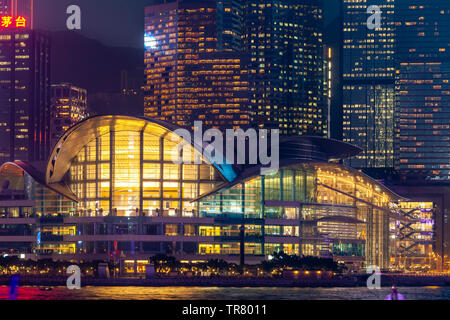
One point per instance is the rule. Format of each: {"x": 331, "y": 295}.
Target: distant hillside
{"x": 90, "y": 64}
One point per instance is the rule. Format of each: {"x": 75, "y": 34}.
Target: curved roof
{"x": 79, "y": 135}
{"x": 316, "y": 148}
{"x": 38, "y": 176}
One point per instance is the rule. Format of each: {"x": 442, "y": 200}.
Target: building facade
{"x": 423, "y": 90}
{"x": 68, "y": 106}
{"x": 189, "y": 73}
{"x": 112, "y": 183}
{"x": 24, "y": 95}
{"x": 368, "y": 83}
{"x": 231, "y": 20}
{"x": 284, "y": 40}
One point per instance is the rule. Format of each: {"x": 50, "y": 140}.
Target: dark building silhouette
{"x": 24, "y": 95}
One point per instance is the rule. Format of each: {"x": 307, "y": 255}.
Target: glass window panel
{"x": 171, "y": 229}
{"x": 91, "y": 172}
{"x": 104, "y": 171}
{"x": 104, "y": 188}
{"x": 206, "y": 187}
{"x": 299, "y": 186}
{"x": 189, "y": 209}
{"x": 206, "y": 172}
{"x": 104, "y": 143}
{"x": 151, "y": 147}
{"x": 171, "y": 172}
{"x": 189, "y": 190}
{"x": 170, "y": 150}
{"x": 91, "y": 192}
{"x": 170, "y": 190}
{"x": 152, "y": 171}
{"x": 151, "y": 189}
{"x": 189, "y": 230}
{"x": 151, "y": 208}
{"x": 81, "y": 156}
{"x": 288, "y": 187}
{"x": 126, "y": 173}
{"x": 190, "y": 172}
{"x": 170, "y": 208}
{"x": 272, "y": 187}
{"x": 91, "y": 151}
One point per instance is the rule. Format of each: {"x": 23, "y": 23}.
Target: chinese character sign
{"x": 13, "y": 22}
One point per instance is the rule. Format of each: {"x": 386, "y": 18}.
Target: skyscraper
{"x": 68, "y": 106}
{"x": 284, "y": 41}
{"x": 230, "y": 21}
{"x": 368, "y": 83}
{"x": 423, "y": 89}
{"x": 24, "y": 95}
{"x": 189, "y": 75}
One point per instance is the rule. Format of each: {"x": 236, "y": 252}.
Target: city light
{"x": 150, "y": 41}
{"x": 13, "y": 22}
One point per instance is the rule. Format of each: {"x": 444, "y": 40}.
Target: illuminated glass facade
{"x": 112, "y": 178}
{"x": 423, "y": 89}
{"x": 127, "y": 173}
{"x": 415, "y": 242}
{"x": 68, "y": 106}
{"x": 24, "y": 96}
{"x": 284, "y": 40}
{"x": 189, "y": 74}
{"x": 369, "y": 83}
{"x": 306, "y": 209}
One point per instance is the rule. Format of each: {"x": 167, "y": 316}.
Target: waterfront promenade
{"x": 387, "y": 280}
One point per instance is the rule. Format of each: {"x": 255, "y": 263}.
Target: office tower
{"x": 188, "y": 77}
{"x": 230, "y": 21}
{"x": 328, "y": 70}
{"x": 16, "y": 8}
{"x": 284, "y": 41}
{"x": 24, "y": 95}
{"x": 68, "y": 106}
{"x": 368, "y": 83}
{"x": 423, "y": 89}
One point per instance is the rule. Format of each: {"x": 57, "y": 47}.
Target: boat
{"x": 45, "y": 289}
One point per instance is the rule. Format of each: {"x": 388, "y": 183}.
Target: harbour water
{"x": 216, "y": 293}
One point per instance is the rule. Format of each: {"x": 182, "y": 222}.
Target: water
{"x": 216, "y": 293}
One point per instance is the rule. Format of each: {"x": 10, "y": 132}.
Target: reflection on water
{"x": 215, "y": 293}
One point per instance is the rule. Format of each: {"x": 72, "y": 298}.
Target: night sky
{"x": 113, "y": 22}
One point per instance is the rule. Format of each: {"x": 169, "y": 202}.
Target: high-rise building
{"x": 16, "y": 8}
{"x": 24, "y": 95}
{"x": 231, "y": 19}
{"x": 285, "y": 42}
{"x": 423, "y": 89}
{"x": 328, "y": 70}
{"x": 68, "y": 106}
{"x": 368, "y": 83}
{"x": 188, "y": 75}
